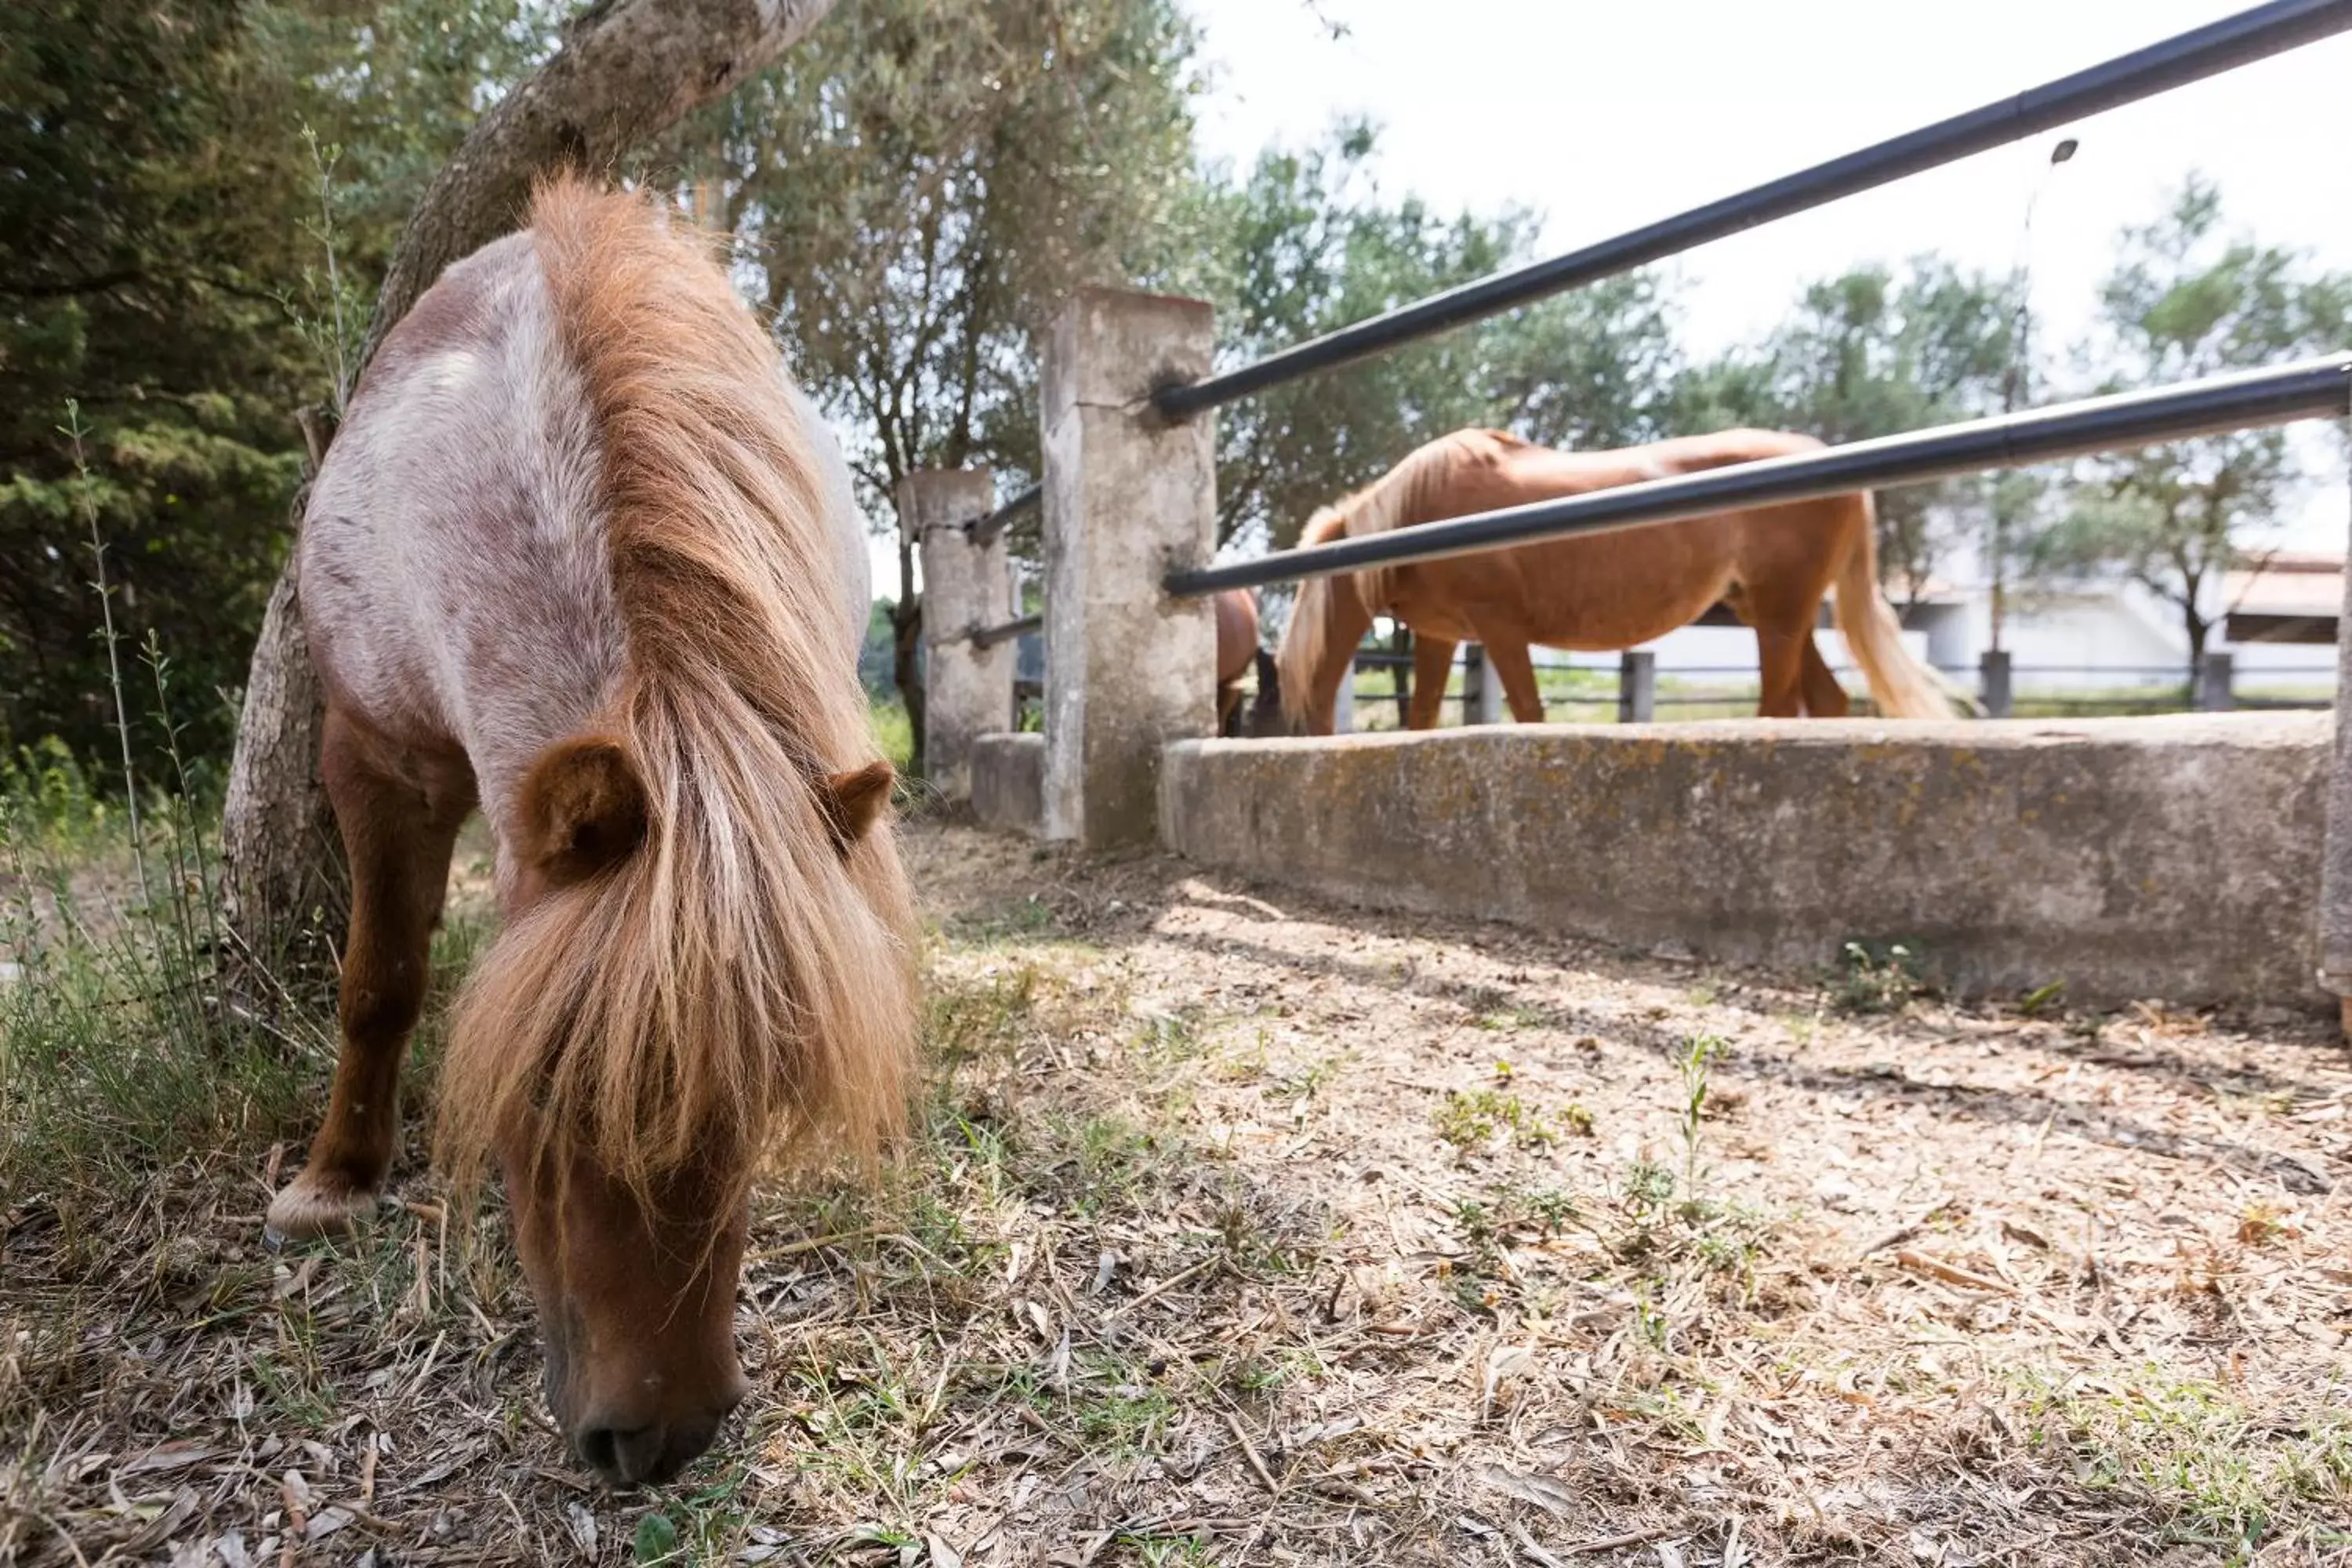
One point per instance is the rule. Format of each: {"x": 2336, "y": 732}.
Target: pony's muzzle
{"x": 652, "y": 1453}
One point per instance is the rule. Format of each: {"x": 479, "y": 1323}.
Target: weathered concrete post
{"x": 2213, "y": 691}
{"x": 1637, "y": 686}
{"x": 1482, "y": 692}
{"x": 1128, "y": 495}
{"x": 1992, "y": 674}
{"x": 968, "y": 688}
{"x": 2335, "y": 861}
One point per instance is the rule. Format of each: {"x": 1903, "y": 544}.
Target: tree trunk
{"x": 628, "y": 70}
{"x": 906, "y": 641}
{"x": 284, "y": 878}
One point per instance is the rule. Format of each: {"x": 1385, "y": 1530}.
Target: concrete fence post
{"x": 1637, "y": 686}
{"x": 2215, "y": 677}
{"x": 2336, "y": 860}
{"x": 1128, "y": 495}
{"x": 1482, "y": 694}
{"x": 1992, "y": 675}
{"x": 968, "y": 689}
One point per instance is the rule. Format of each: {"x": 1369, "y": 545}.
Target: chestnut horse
{"x": 1237, "y": 650}
{"x": 1772, "y": 564}
{"x": 582, "y": 555}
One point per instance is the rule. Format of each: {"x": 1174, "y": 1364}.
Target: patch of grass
{"x": 1304, "y": 1083}
{"x": 2224, "y": 1472}
{"x": 1512, "y": 1019}
{"x": 983, "y": 1017}
{"x": 1126, "y": 1412}
{"x": 1157, "y": 1551}
{"x": 894, "y": 733}
{"x": 1015, "y": 922}
{"x": 1468, "y": 1120}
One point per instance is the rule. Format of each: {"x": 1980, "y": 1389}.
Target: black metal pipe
{"x": 2223, "y": 46}
{"x": 2310, "y": 388}
{"x": 984, "y": 530}
{"x": 989, "y": 637}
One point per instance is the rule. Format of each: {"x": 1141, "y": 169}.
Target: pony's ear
{"x": 582, "y": 808}
{"x": 853, "y": 801}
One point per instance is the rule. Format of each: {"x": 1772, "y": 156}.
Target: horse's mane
{"x": 1379, "y": 507}
{"x": 739, "y": 976}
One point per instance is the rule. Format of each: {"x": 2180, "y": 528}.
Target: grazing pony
{"x": 582, "y": 555}
{"x": 1773, "y": 565}
{"x": 1237, "y": 650}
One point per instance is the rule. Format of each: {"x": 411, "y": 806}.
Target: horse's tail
{"x": 1901, "y": 686}
{"x": 1299, "y": 656}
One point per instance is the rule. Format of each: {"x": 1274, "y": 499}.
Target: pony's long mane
{"x": 737, "y": 982}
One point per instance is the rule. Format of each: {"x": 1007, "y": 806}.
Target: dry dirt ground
{"x": 1245, "y": 1230}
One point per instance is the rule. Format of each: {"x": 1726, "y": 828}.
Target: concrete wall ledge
{"x": 1008, "y": 780}
{"x": 2173, "y": 857}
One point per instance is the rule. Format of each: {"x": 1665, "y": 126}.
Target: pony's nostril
{"x": 621, "y": 1456}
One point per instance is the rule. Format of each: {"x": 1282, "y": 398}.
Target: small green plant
{"x": 1878, "y": 979}
{"x": 1469, "y": 1118}
{"x": 1552, "y": 1208}
{"x": 656, "y": 1540}
{"x": 1304, "y": 1083}
{"x": 1695, "y": 1063}
{"x": 1649, "y": 1190}
{"x": 2041, "y": 996}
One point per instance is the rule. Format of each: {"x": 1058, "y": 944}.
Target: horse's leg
{"x": 399, "y": 833}
{"x": 1780, "y": 660}
{"x": 1509, "y": 662}
{"x": 1229, "y": 708}
{"x": 1432, "y": 662}
{"x": 1824, "y": 698}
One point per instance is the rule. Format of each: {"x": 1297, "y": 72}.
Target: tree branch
{"x": 628, "y": 70}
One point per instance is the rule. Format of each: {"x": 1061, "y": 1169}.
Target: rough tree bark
{"x": 626, "y": 71}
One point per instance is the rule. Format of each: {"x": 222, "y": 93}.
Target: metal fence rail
{"x": 2233, "y": 41}
{"x": 984, "y": 530}
{"x": 2309, "y": 389}
{"x": 1005, "y": 631}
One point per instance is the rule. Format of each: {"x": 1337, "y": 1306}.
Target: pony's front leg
{"x": 399, "y": 832}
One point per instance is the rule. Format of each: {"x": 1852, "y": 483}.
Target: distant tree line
{"x": 201, "y": 196}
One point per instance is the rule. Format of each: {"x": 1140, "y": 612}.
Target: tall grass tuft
{"x": 118, "y": 1055}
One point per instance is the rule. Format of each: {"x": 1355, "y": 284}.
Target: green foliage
{"x": 1875, "y": 353}
{"x": 917, "y": 186}
{"x": 2186, "y": 300}
{"x": 1305, "y": 244}
{"x": 164, "y": 261}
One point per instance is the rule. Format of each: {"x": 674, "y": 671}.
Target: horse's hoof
{"x": 313, "y": 1206}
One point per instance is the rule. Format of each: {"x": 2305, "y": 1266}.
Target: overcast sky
{"x": 1603, "y": 116}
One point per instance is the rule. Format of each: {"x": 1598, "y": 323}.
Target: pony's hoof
{"x": 315, "y": 1204}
